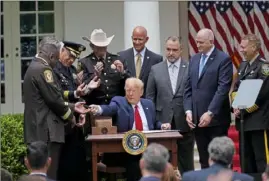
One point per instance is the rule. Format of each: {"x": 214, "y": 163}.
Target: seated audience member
{"x": 265, "y": 175}
{"x": 171, "y": 174}
{"x": 139, "y": 112}
{"x": 6, "y": 175}
{"x": 37, "y": 159}
{"x": 154, "y": 162}
{"x": 221, "y": 151}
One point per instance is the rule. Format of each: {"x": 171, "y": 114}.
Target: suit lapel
{"x": 208, "y": 63}
{"x": 251, "y": 68}
{"x": 181, "y": 71}
{"x": 131, "y": 114}
{"x": 131, "y": 62}
{"x": 146, "y": 111}
{"x": 145, "y": 64}
{"x": 167, "y": 76}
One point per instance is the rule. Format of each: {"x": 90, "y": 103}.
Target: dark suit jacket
{"x": 150, "y": 59}
{"x": 211, "y": 90}
{"x": 202, "y": 175}
{"x": 120, "y": 107}
{"x": 40, "y": 175}
{"x": 150, "y": 179}
{"x": 159, "y": 90}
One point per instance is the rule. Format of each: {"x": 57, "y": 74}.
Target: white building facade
{"x": 24, "y": 23}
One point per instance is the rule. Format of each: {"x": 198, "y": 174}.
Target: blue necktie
{"x": 202, "y": 64}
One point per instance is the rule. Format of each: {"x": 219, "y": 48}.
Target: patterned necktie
{"x": 138, "y": 120}
{"x": 202, "y": 64}
{"x": 173, "y": 77}
{"x": 138, "y": 65}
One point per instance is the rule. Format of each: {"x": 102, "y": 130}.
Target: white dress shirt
{"x": 142, "y": 115}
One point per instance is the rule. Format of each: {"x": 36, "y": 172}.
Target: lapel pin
{"x": 252, "y": 72}
{"x": 93, "y": 58}
{"x": 147, "y": 108}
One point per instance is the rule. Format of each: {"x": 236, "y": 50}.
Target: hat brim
{"x": 99, "y": 44}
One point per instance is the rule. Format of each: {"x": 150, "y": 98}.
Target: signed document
{"x": 160, "y": 131}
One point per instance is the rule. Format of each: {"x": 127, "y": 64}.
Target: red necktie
{"x": 138, "y": 120}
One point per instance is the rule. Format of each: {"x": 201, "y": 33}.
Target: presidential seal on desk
{"x": 134, "y": 142}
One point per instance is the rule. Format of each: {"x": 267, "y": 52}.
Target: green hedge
{"x": 12, "y": 145}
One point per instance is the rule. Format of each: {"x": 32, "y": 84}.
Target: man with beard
{"x": 46, "y": 112}
{"x": 166, "y": 88}
{"x": 73, "y": 163}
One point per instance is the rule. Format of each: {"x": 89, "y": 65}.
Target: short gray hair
{"x": 221, "y": 150}
{"x": 155, "y": 157}
{"x": 50, "y": 40}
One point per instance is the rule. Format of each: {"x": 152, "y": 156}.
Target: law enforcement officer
{"x": 45, "y": 112}
{"x": 107, "y": 66}
{"x": 256, "y": 118}
{"x": 73, "y": 163}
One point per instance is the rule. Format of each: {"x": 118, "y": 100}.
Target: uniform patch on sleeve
{"x": 48, "y": 76}
{"x": 265, "y": 69}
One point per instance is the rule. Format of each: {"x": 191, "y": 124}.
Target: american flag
{"x": 230, "y": 20}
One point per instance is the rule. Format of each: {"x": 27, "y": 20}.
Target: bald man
{"x": 139, "y": 58}
{"x": 206, "y": 96}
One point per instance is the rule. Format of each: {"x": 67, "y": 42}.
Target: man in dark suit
{"x": 206, "y": 96}
{"x": 139, "y": 59}
{"x": 37, "y": 159}
{"x": 154, "y": 162}
{"x": 256, "y": 118}
{"x": 132, "y": 112}
{"x": 221, "y": 151}
{"x": 165, "y": 88}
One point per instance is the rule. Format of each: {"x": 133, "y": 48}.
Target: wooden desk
{"x": 112, "y": 143}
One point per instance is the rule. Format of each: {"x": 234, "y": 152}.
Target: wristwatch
{"x": 210, "y": 113}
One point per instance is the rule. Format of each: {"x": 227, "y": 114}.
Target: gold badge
{"x": 134, "y": 142}
{"x": 48, "y": 76}
{"x": 265, "y": 69}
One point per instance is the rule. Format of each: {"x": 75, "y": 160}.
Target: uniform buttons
{"x": 106, "y": 80}
{"x": 107, "y": 95}
{"x": 106, "y": 100}
{"x": 108, "y": 61}
{"x": 104, "y": 73}
{"x": 107, "y": 87}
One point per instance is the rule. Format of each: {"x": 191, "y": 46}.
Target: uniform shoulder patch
{"x": 265, "y": 69}
{"x": 48, "y": 76}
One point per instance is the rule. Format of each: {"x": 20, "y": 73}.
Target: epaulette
{"x": 264, "y": 60}
{"x": 114, "y": 54}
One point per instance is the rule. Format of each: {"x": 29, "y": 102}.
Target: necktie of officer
{"x": 247, "y": 67}
{"x": 138, "y": 120}
{"x": 202, "y": 64}
{"x": 138, "y": 65}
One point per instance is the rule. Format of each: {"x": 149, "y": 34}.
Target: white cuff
{"x": 75, "y": 95}
{"x": 188, "y": 111}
